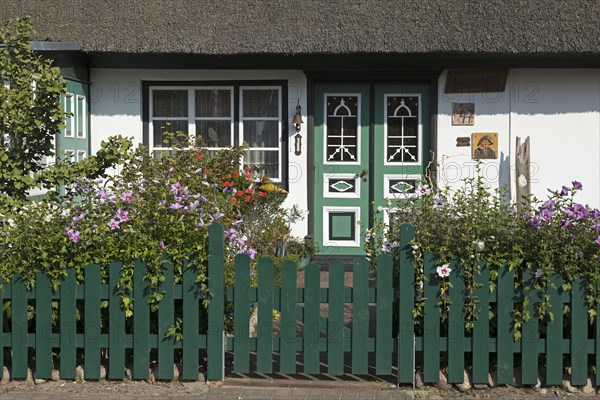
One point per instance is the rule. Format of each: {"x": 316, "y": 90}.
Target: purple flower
{"x": 176, "y": 187}
{"x": 580, "y": 212}
{"x": 162, "y": 203}
{"x": 598, "y": 240}
{"x": 176, "y": 206}
{"x": 113, "y": 224}
{"x": 538, "y": 273}
{"x": 161, "y": 245}
{"x": 127, "y": 197}
{"x": 596, "y": 226}
{"x": 548, "y": 204}
{"x": 102, "y": 195}
{"x": 230, "y": 233}
{"x": 122, "y": 215}
{"x": 75, "y": 236}
{"x": 577, "y": 185}
{"x": 546, "y": 215}
{"x": 535, "y": 222}
{"x": 217, "y": 215}
{"x": 78, "y": 218}
{"x": 194, "y": 205}
{"x": 564, "y": 191}
{"x": 567, "y": 224}
{"x": 438, "y": 203}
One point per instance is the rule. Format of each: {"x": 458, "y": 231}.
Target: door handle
{"x": 362, "y": 173}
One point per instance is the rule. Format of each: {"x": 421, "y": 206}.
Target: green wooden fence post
{"x": 241, "y": 309}
{"x": 288, "y": 317}
{"x": 456, "y": 324}
{"x": 43, "y": 326}
{"x": 505, "y": 340}
{"x": 579, "y": 337}
{"x": 1, "y": 329}
{"x": 597, "y": 341}
{"x": 68, "y": 325}
{"x": 360, "y": 317}
{"x": 431, "y": 322}
{"x": 385, "y": 306}
{"x": 312, "y": 309}
{"x": 19, "y": 329}
{"x": 166, "y": 319}
{"x": 216, "y": 305}
{"x": 191, "y": 320}
{"x": 481, "y": 327}
{"x": 141, "y": 322}
{"x": 554, "y": 333}
{"x": 406, "y": 331}
{"x": 530, "y": 335}
{"x": 264, "y": 356}
{"x": 116, "y": 324}
{"x": 92, "y": 332}
{"x": 335, "y": 326}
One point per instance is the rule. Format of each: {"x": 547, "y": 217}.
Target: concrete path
{"x": 220, "y": 393}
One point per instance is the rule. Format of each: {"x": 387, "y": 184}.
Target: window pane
{"x": 260, "y": 103}
{"x": 160, "y": 127}
{"x": 213, "y": 103}
{"x": 169, "y": 103}
{"x": 263, "y": 163}
{"x": 214, "y": 133}
{"x": 80, "y": 117}
{"x": 261, "y": 133}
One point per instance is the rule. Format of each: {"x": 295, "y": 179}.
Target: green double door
{"x": 371, "y": 143}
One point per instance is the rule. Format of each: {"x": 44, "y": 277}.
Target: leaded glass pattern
{"x": 342, "y": 135}
{"x": 402, "y": 129}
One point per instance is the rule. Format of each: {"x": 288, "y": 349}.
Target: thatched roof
{"x": 246, "y": 27}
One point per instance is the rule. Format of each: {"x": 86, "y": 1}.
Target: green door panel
{"x": 348, "y": 186}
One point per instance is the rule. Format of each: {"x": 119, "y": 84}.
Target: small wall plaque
{"x": 463, "y": 114}
{"x": 476, "y": 80}
{"x": 463, "y": 141}
{"x": 485, "y": 145}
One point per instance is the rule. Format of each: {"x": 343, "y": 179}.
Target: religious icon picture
{"x": 485, "y": 146}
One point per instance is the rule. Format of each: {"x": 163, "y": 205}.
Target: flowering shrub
{"x": 153, "y": 207}
{"x": 556, "y": 236}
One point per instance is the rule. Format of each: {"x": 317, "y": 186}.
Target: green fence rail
{"x": 316, "y": 332}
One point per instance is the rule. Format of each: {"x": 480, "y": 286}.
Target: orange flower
{"x": 248, "y": 176}
{"x": 247, "y": 168}
{"x": 198, "y": 156}
{"x": 228, "y": 184}
{"x": 262, "y": 194}
{"x": 247, "y": 198}
{"x": 239, "y": 193}
{"x": 249, "y": 191}
{"x": 206, "y": 172}
{"x": 236, "y": 174}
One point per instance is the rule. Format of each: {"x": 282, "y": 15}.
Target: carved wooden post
{"x": 522, "y": 176}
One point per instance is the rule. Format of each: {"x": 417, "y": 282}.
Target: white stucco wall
{"x": 116, "y": 108}
{"x": 558, "y": 109}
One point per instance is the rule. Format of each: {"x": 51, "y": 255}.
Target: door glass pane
{"x": 160, "y": 127}
{"x": 402, "y": 129}
{"x": 214, "y": 133}
{"x": 342, "y": 129}
{"x": 260, "y": 103}
{"x": 261, "y": 133}
{"x": 213, "y": 103}
{"x": 169, "y": 103}
{"x": 263, "y": 163}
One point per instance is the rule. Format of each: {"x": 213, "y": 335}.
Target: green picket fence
{"x": 331, "y": 342}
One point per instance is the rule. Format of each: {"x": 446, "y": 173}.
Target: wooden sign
{"x": 485, "y": 146}
{"x": 463, "y": 114}
{"x": 476, "y": 80}
{"x": 463, "y": 141}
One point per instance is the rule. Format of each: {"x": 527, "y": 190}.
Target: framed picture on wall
{"x": 484, "y": 145}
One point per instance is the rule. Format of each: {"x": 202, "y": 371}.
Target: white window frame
{"x": 192, "y": 118}
{"x": 69, "y": 155}
{"x": 419, "y": 130}
{"x": 81, "y": 115}
{"x": 279, "y": 148}
{"x": 358, "y": 129}
{"x": 70, "y": 122}
{"x": 81, "y": 155}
